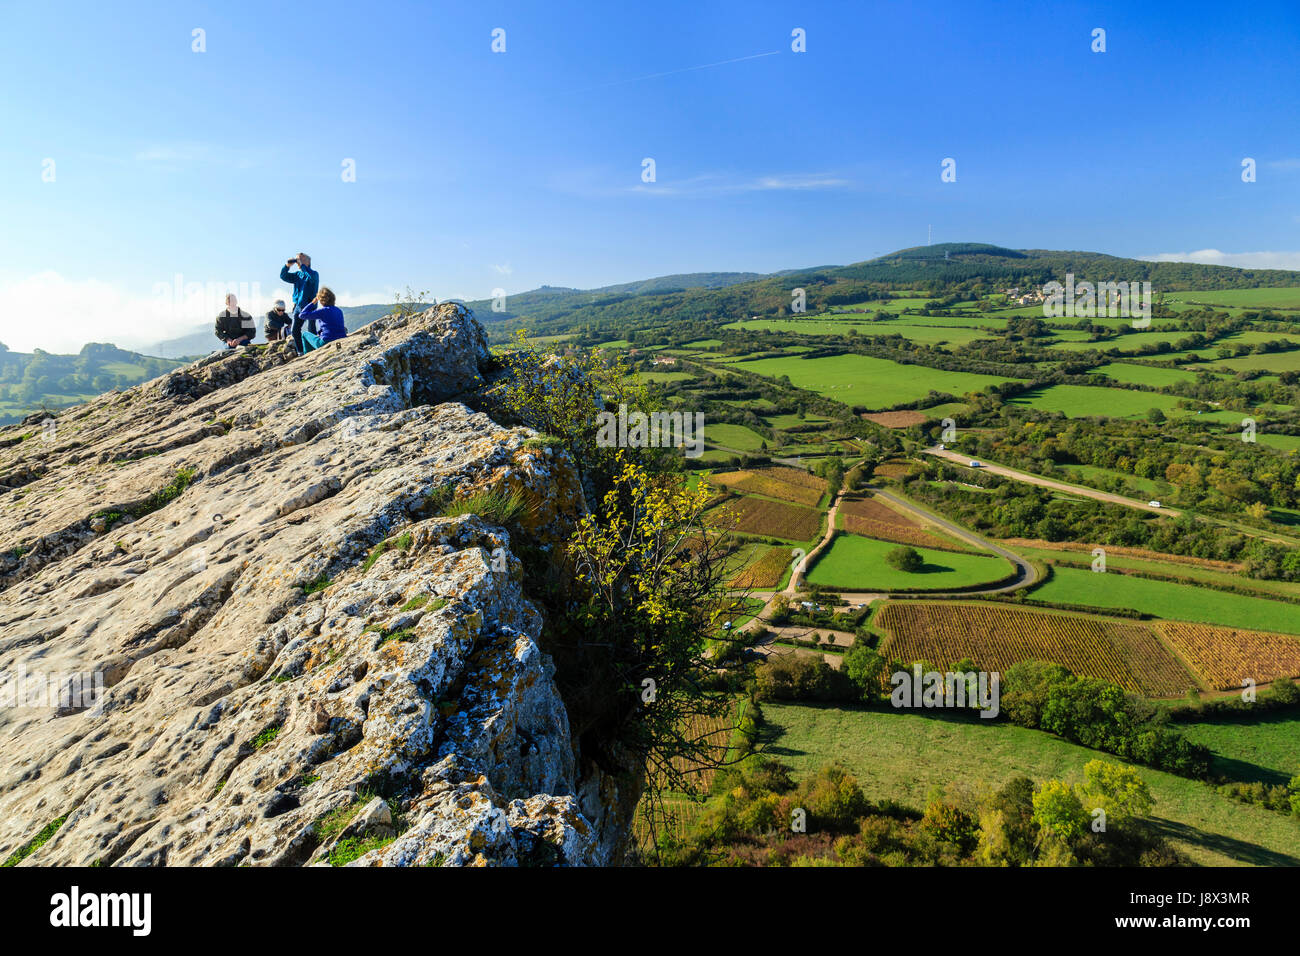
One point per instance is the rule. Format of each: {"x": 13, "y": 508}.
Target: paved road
{"x": 1029, "y": 479}
{"x": 1026, "y": 573}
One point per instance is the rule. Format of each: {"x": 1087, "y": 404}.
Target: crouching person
{"x": 235, "y": 327}
{"x": 277, "y": 322}
{"x": 324, "y": 321}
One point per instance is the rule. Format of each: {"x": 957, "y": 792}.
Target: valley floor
{"x": 901, "y": 756}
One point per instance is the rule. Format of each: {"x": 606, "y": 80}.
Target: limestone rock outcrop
{"x": 305, "y": 655}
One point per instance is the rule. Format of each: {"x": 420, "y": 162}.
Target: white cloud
{"x": 52, "y": 312}
{"x": 187, "y": 153}
{"x": 173, "y": 153}
{"x": 814, "y": 181}
{"x": 1239, "y": 260}
{"x": 714, "y": 184}
{"x": 49, "y": 311}
{"x": 504, "y": 270}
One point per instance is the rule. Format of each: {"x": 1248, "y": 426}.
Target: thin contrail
{"x": 688, "y": 69}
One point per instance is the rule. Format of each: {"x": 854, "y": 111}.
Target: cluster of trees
{"x": 905, "y": 559}
{"x": 1229, "y": 478}
{"x": 1085, "y": 710}
{"x": 790, "y": 677}
{"x": 759, "y": 815}
{"x": 1284, "y": 798}
{"x": 1098, "y": 714}
{"x": 30, "y": 380}
{"x": 1017, "y": 510}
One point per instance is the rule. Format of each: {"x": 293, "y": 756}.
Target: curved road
{"x": 1026, "y": 573}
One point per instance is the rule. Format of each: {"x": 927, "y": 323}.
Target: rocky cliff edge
{"x": 301, "y": 661}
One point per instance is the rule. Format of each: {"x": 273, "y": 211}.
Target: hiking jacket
{"x": 235, "y": 326}
{"x": 305, "y": 282}
{"x": 276, "y": 321}
{"x": 328, "y": 320}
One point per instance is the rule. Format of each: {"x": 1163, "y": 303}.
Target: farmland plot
{"x": 1126, "y": 652}
{"x": 775, "y": 519}
{"x": 873, "y": 519}
{"x": 1227, "y": 656}
{"x": 766, "y": 572}
{"x": 788, "y": 484}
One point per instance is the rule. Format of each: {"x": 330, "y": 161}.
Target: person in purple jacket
{"x": 327, "y": 319}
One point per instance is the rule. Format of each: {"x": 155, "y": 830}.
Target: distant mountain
{"x": 202, "y": 341}
{"x": 36, "y": 380}
{"x": 553, "y": 298}
{"x": 935, "y": 271}
{"x": 199, "y": 342}
{"x": 703, "y": 297}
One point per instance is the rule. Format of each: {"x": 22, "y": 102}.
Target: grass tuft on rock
{"x": 401, "y": 543}
{"x": 35, "y": 843}
{"x": 495, "y": 507}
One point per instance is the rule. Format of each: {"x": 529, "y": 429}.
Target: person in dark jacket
{"x": 235, "y": 327}
{"x": 277, "y": 321}
{"x": 326, "y": 318}
{"x": 306, "y": 283}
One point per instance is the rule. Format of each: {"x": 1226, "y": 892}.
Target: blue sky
{"x": 477, "y": 170}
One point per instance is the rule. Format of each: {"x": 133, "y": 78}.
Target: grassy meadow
{"x": 856, "y": 563}
{"x": 901, "y": 755}
{"x": 1169, "y": 599}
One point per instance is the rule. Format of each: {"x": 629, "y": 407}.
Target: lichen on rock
{"x": 303, "y": 661}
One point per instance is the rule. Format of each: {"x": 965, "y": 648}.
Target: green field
{"x": 898, "y": 303}
{"x": 1263, "y": 750}
{"x": 924, "y": 333}
{"x": 1082, "y": 401}
{"x": 1266, "y": 588}
{"x": 933, "y": 334}
{"x": 1124, "y": 343}
{"x": 902, "y": 755}
{"x": 712, "y": 456}
{"x": 969, "y": 320}
{"x": 733, "y": 436}
{"x": 1167, "y": 599}
{"x": 946, "y": 409}
{"x": 858, "y": 564}
{"x": 792, "y": 421}
{"x": 1253, "y": 336}
{"x": 662, "y": 377}
{"x": 869, "y": 381}
{"x": 1268, "y": 361}
{"x": 1284, "y": 442}
{"x": 1144, "y": 374}
{"x": 1280, "y": 298}
{"x": 1067, "y": 335}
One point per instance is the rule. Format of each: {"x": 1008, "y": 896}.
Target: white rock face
{"x": 301, "y": 662}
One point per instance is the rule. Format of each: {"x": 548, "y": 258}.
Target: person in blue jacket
{"x": 306, "y": 283}
{"x": 326, "y": 318}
